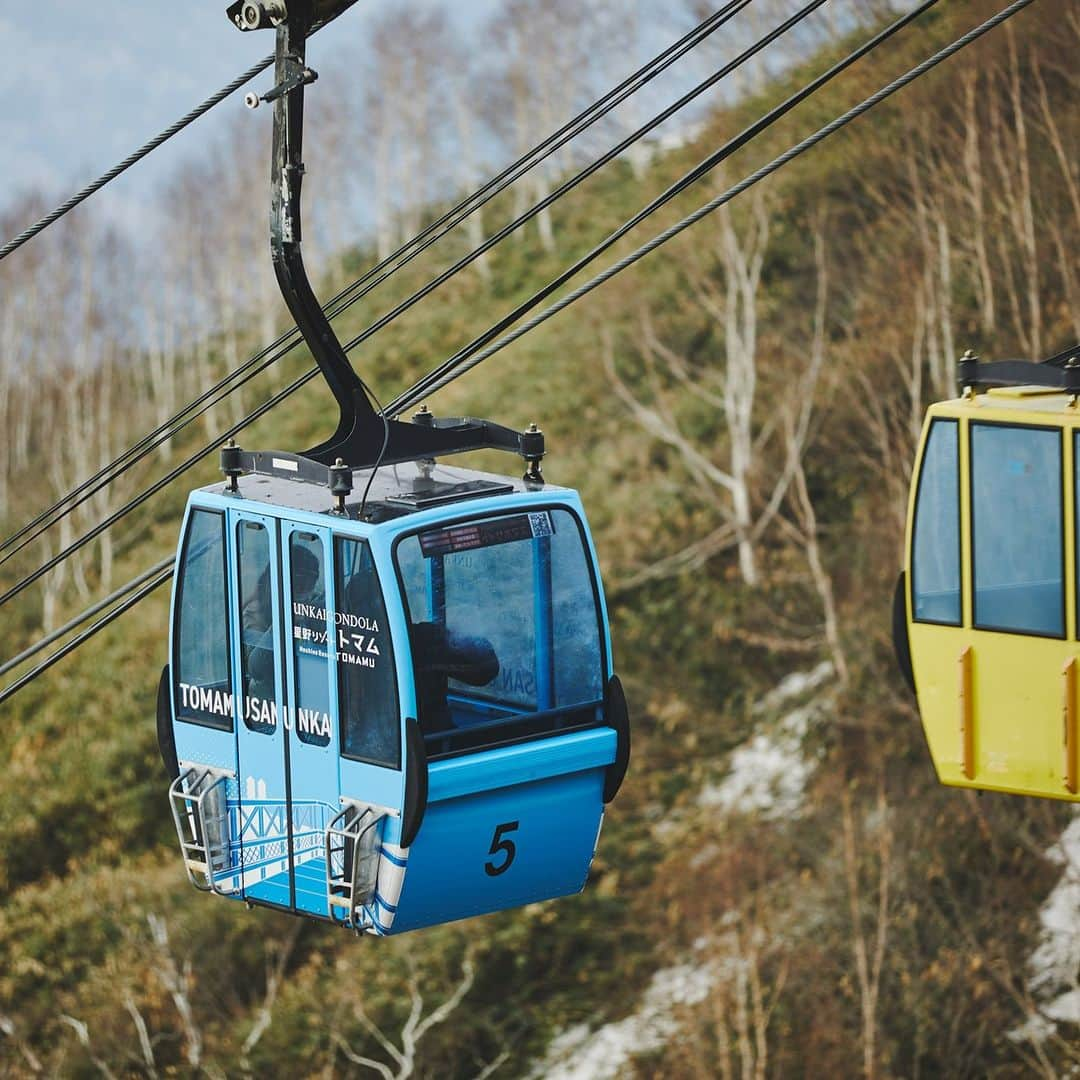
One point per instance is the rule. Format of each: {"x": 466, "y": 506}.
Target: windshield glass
{"x": 503, "y": 619}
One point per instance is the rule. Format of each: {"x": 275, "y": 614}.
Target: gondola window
{"x": 202, "y": 686}
{"x": 1017, "y": 536}
{"x": 936, "y": 564}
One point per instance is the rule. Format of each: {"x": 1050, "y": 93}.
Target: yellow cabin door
{"x": 997, "y": 686}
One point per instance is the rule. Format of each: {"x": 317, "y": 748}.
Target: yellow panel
{"x": 1011, "y": 407}
{"x": 1017, "y": 737}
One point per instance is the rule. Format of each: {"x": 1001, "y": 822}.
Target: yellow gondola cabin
{"x": 985, "y": 613}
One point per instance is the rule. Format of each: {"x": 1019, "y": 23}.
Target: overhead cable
{"x": 714, "y": 204}
{"x": 437, "y": 378}
{"x": 136, "y": 156}
{"x": 89, "y": 613}
{"x": 568, "y": 185}
{"x": 89, "y": 632}
{"x": 405, "y": 305}
{"x": 147, "y": 148}
{"x": 773, "y": 166}
{"x": 349, "y": 295}
{"x": 396, "y": 406}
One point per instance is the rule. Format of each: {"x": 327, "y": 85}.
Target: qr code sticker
{"x": 541, "y": 524}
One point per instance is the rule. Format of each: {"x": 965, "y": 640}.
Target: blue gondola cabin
{"x": 392, "y": 722}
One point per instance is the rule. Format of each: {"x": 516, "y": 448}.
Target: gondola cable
{"x": 70, "y": 646}
{"x": 111, "y": 174}
{"x": 349, "y": 295}
{"x": 589, "y": 170}
{"x": 438, "y": 378}
{"x": 143, "y": 151}
{"x": 427, "y": 289}
{"x": 94, "y": 609}
{"x": 451, "y": 723}
{"x": 760, "y": 174}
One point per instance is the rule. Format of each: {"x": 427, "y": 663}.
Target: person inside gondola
{"x": 256, "y": 629}
{"x": 440, "y": 655}
{"x": 257, "y": 621}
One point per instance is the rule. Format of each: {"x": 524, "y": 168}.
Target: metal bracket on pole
{"x": 296, "y": 75}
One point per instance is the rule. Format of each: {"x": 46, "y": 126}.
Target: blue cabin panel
{"x": 506, "y": 827}
{"x": 310, "y": 638}
{"x": 368, "y": 678}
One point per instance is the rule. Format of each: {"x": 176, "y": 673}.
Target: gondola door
{"x": 1022, "y": 713}
{"x": 259, "y": 706}
{"x": 312, "y": 693}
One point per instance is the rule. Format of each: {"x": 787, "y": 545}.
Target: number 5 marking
{"x": 498, "y": 843}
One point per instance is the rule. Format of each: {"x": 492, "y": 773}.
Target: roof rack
{"x": 1060, "y": 372}
{"x": 427, "y": 436}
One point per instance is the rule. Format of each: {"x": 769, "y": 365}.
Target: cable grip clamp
{"x": 296, "y": 75}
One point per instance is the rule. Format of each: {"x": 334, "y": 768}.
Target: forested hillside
{"x": 782, "y": 887}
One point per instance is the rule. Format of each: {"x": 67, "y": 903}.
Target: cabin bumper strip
{"x": 1068, "y": 681}
{"x": 967, "y": 713}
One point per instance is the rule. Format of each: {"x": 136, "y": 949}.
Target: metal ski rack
{"x": 201, "y": 816}
{"x": 352, "y": 860}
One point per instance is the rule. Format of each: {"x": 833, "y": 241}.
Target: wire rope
{"x": 429, "y": 381}
{"x": 714, "y": 204}
{"x": 763, "y": 172}
{"x": 89, "y": 613}
{"x": 147, "y": 148}
{"x": 89, "y": 632}
{"x": 711, "y": 80}
{"x": 344, "y": 299}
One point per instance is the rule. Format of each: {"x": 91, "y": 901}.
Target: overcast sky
{"x": 84, "y": 84}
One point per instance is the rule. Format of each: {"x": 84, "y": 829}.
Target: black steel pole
{"x": 356, "y": 414}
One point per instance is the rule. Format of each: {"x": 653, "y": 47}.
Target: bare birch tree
{"x": 868, "y": 947}
{"x": 729, "y": 471}
{"x": 402, "y": 1050}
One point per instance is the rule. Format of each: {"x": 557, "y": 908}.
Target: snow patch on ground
{"x": 580, "y": 1053}
{"x": 769, "y": 772}
{"x": 1054, "y": 981}
{"x": 722, "y": 961}
{"x": 795, "y": 685}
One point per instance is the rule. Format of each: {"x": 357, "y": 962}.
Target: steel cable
{"x": 436, "y": 378}
{"x": 568, "y": 185}
{"x": 348, "y": 296}
{"x": 133, "y": 158}
{"x": 89, "y": 632}
{"x": 89, "y": 613}
{"x": 96, "y": 530}
{"x": 714, "y": 204}
{"x": 731, "y": 9}
{"x": 144, "y": 150}
{"x": 766, "y": 170}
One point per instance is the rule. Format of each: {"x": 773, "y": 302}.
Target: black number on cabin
{"x": 500, "y": 844}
